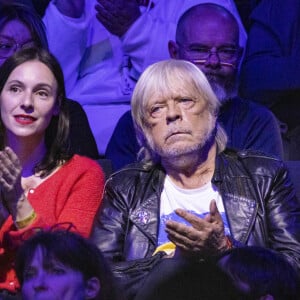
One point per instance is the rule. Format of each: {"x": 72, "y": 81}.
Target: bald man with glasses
{"x": 208, "y": 36}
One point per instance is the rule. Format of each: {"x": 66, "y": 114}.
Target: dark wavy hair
{"x": 71, "y": 250}
{"x": 57, "y": 133}
{"x": 16, "y": 10}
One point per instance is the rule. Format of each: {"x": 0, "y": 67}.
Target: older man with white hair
{"x": 190, "y": 197}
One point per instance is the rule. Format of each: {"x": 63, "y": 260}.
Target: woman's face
{"x": 13, "y": 36}
{"x": 51, "y": 280}
{"x": 28, "y": 101}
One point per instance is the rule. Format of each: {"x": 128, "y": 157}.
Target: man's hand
{"x": 205, "y": 236}
{"x": 117, "y": 15}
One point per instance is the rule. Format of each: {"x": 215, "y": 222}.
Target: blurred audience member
{"x": 180, "y": 279}
{"x": 261, "y": 273}
{"x": 208, "y": 36}
{"x": 271, "y": 69}
{"x": 63, "y": 265}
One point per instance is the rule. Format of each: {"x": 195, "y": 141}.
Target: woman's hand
{"x": 12, "y": 193}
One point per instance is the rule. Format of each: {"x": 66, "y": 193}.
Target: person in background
{"x": 261, "y": 273}
{"x": 190, "y": 197}
{"x": 59, "y": 264}
{"x": 112, "y": 42}
{"x": 208, "y": 36}
{"x": 180, "y": 279}
{"x": 41, "y": 183}
{"x": 270, "y": 73}
{"x": 21, "y": 27}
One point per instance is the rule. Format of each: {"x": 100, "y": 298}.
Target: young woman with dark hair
{"x": 41, "y": 183}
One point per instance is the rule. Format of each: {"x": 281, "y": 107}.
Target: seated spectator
{"x": 261, "y": 273}
{"x": 180, "y": 279}
{"x": 21, "y": 27}
{"x": 189, "y": 193}
{"x": 63, "y": 265}
{"x": 41, "y": 182}
{"x": 111, "y": 43}
{"x": 208, "y": 36}
{"x": 270, "y": 73}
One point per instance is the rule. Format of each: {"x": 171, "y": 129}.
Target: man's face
{"x": 180, "y": 124}
{"x": 210, "y": 43}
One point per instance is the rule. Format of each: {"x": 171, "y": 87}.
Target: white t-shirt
{"x": 193, "y": 200}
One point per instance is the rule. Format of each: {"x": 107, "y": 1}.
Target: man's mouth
{"x": 176, "y": 133}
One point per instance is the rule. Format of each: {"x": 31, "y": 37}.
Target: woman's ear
{"x": 92, "y": 288}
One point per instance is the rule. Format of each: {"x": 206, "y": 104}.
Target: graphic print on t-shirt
{"x": 195, "y": 201}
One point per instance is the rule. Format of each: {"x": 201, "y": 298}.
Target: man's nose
{"x": 213, "y": 60}
{"x": 173, "y": 112}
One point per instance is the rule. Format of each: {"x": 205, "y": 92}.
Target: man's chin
{"x": 222, "y": 93}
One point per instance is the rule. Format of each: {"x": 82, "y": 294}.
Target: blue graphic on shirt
{"x": 162, "y": 237}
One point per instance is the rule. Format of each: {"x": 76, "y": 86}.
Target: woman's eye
{"x": 43, "y": 94}
{"x": 15, "y": 89}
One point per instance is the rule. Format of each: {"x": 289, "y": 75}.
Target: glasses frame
{"x": 15, "y": 45}
{"x": 232, "y": 62}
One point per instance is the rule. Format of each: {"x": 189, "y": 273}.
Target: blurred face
{"x": 51, "y": 280}
{"x": 210, "y": 41}
{"x": 180, "y": 124}
{"x": 28, "y": 101}
{"x": 13, "y": 36}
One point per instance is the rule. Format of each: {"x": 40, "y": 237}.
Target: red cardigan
{"x": 72, "y": 194}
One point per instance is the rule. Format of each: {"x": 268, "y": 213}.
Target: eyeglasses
{"x": 200, "y": 54}
{"x": 8, "y": 46}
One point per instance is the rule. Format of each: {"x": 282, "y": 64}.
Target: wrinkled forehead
{"x": 171, "y": 87}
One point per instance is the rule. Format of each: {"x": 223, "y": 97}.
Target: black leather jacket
{"x": 258, "y": 197}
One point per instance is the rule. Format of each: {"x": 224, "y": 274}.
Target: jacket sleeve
{"x": 110, "y": 229}
{"x": 283, "y": 218}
